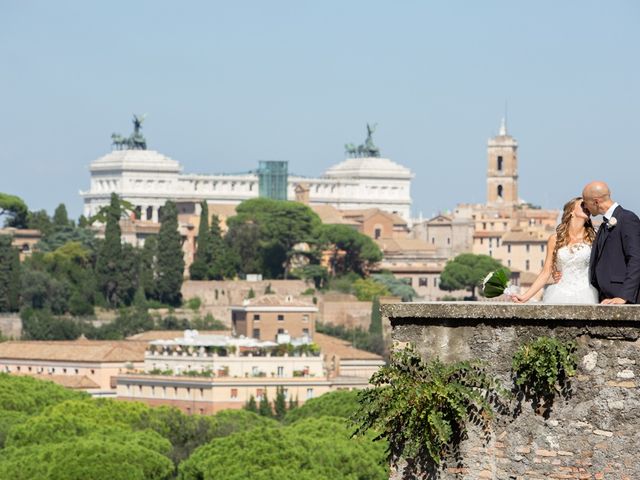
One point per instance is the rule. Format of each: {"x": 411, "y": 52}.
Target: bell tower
{"x": 502, "y": 170}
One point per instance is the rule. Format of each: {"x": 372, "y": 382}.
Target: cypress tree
{"x": 147, "y": 273}
{"x": 223, "y": 264}
{"x": 199, "y": 269}
{"x": 7, "y": 274}
{"x": 280, "y": 404}
{"x": 251, "y": 405}
{"x": 60, "y": 217}
{"x": 15, "y": 281}
{"x": 170, "y": 261}
{"x": 375, "y": 327}
{"x": 264, "y": 408}
{"x": 108, "y": 262}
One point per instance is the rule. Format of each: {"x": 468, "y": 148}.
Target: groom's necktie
{"x": 601, "y": 231}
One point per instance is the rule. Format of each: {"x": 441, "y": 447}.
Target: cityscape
{"x": 286, "y": 317}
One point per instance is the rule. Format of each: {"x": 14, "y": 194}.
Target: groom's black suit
{"x": 615, "y": 257}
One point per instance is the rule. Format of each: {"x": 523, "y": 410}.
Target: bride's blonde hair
{"x": 562, "y": 230}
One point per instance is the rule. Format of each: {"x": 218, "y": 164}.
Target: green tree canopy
{"x": 341, "y": 403}
{"x": 367, "y": 289}
{"x": 97, "y": 458}
{"x": 30, "y": 396}
{"x": 281, "y": 225}
{"x": 311, "y": 449}
{"x": 14, "y": 209}
{"x": 352, "y": 251}
{"x": 467, "y": 271}
{"x": 398, "y": 287}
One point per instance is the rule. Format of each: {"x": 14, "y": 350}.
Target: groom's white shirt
{"x": 609, "y": 212}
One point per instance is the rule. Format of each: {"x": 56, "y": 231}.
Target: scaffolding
{"x": 273, "y": 179}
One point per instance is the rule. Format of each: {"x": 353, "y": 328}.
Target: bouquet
{"x": 496, "y": 284}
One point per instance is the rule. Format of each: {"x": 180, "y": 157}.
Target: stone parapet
{"x": 594, "y": 433}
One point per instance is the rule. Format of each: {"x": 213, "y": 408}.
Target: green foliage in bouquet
{"x": 495, "y": 283}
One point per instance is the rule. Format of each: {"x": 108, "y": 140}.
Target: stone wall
{"x": 10, "y": 325}
{"x": 594, "y": 434}
{"x": 219, "y": 296}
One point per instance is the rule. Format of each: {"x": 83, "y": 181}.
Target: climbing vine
{"x": 542, "y": 368}
{"x": 423, "y": 408}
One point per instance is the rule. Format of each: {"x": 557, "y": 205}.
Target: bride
{"x": 568, "y": 252}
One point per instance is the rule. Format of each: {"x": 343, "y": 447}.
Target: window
{"x": 202, "y": 393}
{"x": 499, "y": 162}
{"x": 305, "y": 318}
{"x": 500, "y": 190}
{"x": 281, "y": 371}
{"x": 256, "y": 317}
{"x": 409, "y": 281}
{"x": 448, "y": 241}
{"x": 305, "y": 331}
{"x": 484, "y": 225}
{"x": 541, "y": 263}
{"x": 255, "y": 370}
{"x": 508, "y": 263}
{"x": 234, "y": 393}
{"x": 435, "y": 281}
{"x": 423, "y": 282}
{"x": 542, "y": 247}
{"x": 309, "y": 393}
{"x": 433, "y": 240}
{"x": 259, "y": 393}
{"x": 528, "y": 247}
{"x": 508, "y": 248}
{"x": 377, "y": 233}
{"x": 527, "y": 265}
{"x": 280, "y": 331}
{"x": 281, "y": 318}
{"x": 256, "y": 333}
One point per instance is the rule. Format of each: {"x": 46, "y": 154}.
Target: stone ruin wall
{"x": 594, "y": 434}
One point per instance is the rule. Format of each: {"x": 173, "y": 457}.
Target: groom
{"x": 615, "y": 255}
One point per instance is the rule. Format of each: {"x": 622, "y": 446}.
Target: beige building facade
{"x": 267, "y": 316}
{"x": 90, "y": 365}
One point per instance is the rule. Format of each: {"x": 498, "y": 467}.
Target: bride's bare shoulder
{"x": 551, "y": 242}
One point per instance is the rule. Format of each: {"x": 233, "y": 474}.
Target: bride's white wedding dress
{"x": 574, "y": 286}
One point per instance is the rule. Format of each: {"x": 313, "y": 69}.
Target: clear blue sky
{"x": 226, "y": 84}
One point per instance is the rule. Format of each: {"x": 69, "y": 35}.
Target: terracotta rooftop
{"x": 75, "y": 351}
{"x": 331, "y": 346}
{"x": 81, "y": 382}
{"x": 364, "y": 214}
{"x": 331, "y": 215}
{"x": 524, "y": 236}
{"x": 405, "y": 245}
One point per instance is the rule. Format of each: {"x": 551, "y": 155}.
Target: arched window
{"x": 499, "y": 163}
{"x": 500, "y": 189}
